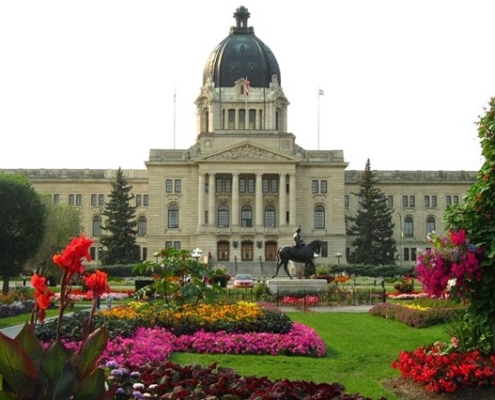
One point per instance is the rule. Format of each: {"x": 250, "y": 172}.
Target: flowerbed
{"x": 443, "y": 371}
{"x": 416, "y": 317}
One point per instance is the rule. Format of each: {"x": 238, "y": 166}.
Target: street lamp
{"x": 401, "y": 238}
{"x": 197, "y": 253}
{"x": 156, "y": 254}
{"x": 338, "y": 255}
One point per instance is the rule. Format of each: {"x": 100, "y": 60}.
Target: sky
{"x": 91, "y": 84}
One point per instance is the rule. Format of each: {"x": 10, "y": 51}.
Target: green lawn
{"x": 360, "y": 349}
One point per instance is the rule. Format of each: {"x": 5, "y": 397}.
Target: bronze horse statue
{"x": 304, "y": 254}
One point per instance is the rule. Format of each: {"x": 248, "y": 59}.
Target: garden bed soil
{"x": 406, "y": 389}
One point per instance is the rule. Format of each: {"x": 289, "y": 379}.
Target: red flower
{"x": 42, "y": 296}
{"x": 97, "y": 283}
{"x": 71, "y": 258}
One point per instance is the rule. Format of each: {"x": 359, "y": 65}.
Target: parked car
{"x": 243, "y": 281}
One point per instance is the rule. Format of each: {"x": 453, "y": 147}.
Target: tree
{"x": 119, "y": 246}
{"x": 63, "y": 222}
{"x": 23, "y": 222}
{"x": 476, "y": 215}
{"x": 372, "y": 226}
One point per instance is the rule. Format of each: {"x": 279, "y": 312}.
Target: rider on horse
{"x": 298, "y": 242}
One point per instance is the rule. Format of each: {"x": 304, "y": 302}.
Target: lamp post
{"x": 401, "y": 238}
{"x": 338, "y": 255}
{"x": 156, "y": 254}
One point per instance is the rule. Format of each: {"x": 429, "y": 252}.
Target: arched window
{"x": 97, "y": 225}
{"x": 430, "y": 224}
{"x": 142, "y": 226}
{"x": 246, "y": 216}
{"x": 269, "y": 216}
{"x": 408, "y": 227}
{"x": 223, "y": 216}
{"x": 319, "y": 217}
{"x": 173, "y": 216}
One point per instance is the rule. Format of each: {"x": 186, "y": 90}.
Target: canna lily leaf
{"x": 17, "y": 368}
{"x": 93, "y": 387}
{"x": 90, "y": 352}
{"x": 29, "y": 342}
{"x": 54, "y": 360}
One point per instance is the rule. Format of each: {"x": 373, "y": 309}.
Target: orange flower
{"x": 97, "y": 283}
{"x": 71, "y": 257}
{"x": 42, "y": 296}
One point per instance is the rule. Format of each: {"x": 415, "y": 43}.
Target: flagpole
{"x": 318, "y": 120}
{"x": 175, "y": 112}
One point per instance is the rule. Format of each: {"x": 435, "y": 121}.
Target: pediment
{"x": 247, "y": 152}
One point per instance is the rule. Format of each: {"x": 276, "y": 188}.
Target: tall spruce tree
{"x": 119, "y": 245}
{"x": 372, "y": 227}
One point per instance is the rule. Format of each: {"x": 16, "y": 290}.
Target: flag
{"x": 321, "y": 93}
{"x": 246, "y": 87}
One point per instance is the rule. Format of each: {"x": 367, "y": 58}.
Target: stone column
{"x": 259, "y": 201}
{"x": 282, "y": 200}
{"x": 292, "y": 199}
{"x": 201, "y": 200}
{"x": 211, "y": 200}
{"x": 235, "y": 200}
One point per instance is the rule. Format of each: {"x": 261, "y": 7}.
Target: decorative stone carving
{"x": 247, "y": 152}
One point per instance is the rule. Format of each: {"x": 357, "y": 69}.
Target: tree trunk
{"x": 5, "y": 287}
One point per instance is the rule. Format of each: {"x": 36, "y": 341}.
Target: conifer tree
{"x": 372, "y": 227}
{"x": 119, "y": 245}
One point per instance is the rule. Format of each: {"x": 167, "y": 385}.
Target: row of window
{"x": 98, "y": 200}
{"x": 410, "y": 201}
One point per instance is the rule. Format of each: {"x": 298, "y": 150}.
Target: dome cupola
{"x": 241, "y": 55}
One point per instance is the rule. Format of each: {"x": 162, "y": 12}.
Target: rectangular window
{"x": 406, "y": 254}
{"x": 145, "y": 254}
{"x": 323, "y": 187}
{"x": 404, "y": 201}
{"x": 92, "y": 252}
{"x": 231, "y": 115}
{"x": 427, "y": 201}
{"x": 252, "y": 119}
{"x": 413, "y": 253}
{"x": 346, "y": 201}
{"x": 93, "y": 200}
{"x": 139, "y": 200}
{"x": 287, "y": 215}
{"x": 390, "y": 201}
{"x": 219, "y": 185}
{"x": 274, "y": 188}
{"x": 101, "y": 200}
{"x": 79, "y": 200}
{"x": 448, "y": 200}
{"x": 56, "y": 198}
{"x": 265, "y": 185}
{"x": 242, "y": 118}
{"x": 146, "y": 201}
{"x": 168, "y": 244}
{"x": 456, "y": 199}
{"x": 250, "y": 185}
{"x": 206, "y": 217}
{"x": 314, "y": 186}
{"x": 434, "y": 201}
{"x": 168, "y": 186}
{"x": 72, "y": 199}
{"x": 207, "y": 186}
{"x": 242, "y": 185}
{"x": 228, "y": 185}
{"x": 178, "y": 186}
{"x": 412, "y": 201}
{"x": 360, "y": 200}
{"x": 324, "y": 249}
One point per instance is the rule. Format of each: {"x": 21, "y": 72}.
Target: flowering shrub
{"x": 308, "y": 301}
{"x": 452, "y": 257}
{"x": 406, "y": 296}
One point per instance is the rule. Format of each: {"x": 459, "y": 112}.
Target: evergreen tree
{"x": 119, "y": 245}
{"x": 372, "y": 227}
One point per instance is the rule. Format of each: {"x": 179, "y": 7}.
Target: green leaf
{"x": 31, "y": 344}
{"x": 63, "y": 388}
{"x": 90, "y": 352}
{"x": 17, "y": 368}
{"x": 93, "y": 387}
{"x": 8, "y": 396}
{"x": 54, "y": 360}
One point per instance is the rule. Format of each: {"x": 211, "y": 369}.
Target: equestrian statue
{"x": 298, "y": 253}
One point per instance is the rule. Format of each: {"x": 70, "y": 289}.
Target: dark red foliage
{"x": 197, "y": 382}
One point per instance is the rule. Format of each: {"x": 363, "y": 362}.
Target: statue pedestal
{"x": 296, "y": 285}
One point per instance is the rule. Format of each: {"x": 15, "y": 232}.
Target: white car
{"x": 243, "y": 281}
